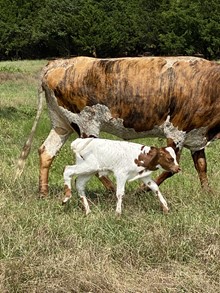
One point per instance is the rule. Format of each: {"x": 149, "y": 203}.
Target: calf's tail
{"x": 80, "y": 144}
{"x": 27, "y": 146}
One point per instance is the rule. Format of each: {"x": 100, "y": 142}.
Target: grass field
{"x": 45, "y": 247}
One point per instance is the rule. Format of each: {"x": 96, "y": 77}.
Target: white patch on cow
{"x": 98, "y": 118}
{"x": 196, "y": 139}
{"x": 178, "y": 136}
{"x": 171, "y": 60}
{"x": 54, "y": 142}
{"x": 92, "y": 120}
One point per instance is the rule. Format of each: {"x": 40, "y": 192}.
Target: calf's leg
{"x": 120, "y": 190}
{"x": 67, "y": 176}
{"x": 81, "y": 181}
{"x": 154, "y": 187}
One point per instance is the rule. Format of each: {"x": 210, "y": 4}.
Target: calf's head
{"x": 159, "y": 157}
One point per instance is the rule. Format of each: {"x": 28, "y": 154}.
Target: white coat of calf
{"x": 127, "y": 160}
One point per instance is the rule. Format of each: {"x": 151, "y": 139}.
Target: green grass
{"x": 45, "y": 247}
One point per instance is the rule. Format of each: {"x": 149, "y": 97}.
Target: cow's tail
{"x": 27, "y": 146}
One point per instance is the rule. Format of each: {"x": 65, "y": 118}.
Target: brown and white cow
{"x": 177, "y": 98}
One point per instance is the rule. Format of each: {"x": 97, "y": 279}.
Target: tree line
{"x": 109, "y": 28}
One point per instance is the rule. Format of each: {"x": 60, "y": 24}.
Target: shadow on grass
{"x": 11, "y": 113}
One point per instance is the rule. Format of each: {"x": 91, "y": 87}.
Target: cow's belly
{"x": 196, "y": 139}
{"x": 193, "y": 140}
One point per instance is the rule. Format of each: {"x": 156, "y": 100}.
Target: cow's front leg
{"x": 47, "y": 153}
{"x": 107, "y": 182}
{"x": 200, "y": 164}
{"x": 163, "y": 176}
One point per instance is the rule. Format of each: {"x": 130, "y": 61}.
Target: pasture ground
{"x": 45, "y": 247}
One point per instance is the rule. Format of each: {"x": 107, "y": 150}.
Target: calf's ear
{"x": 148, "y": 160}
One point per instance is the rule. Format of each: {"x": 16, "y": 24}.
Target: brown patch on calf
{"x": 148, "y": 160}
{"x": 67, "y": 191}
{"x": 166, "y": 161}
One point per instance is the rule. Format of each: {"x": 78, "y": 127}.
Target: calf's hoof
{"x": 65, "y": 199}
{"x": 165, "y": 210}
{"x": 88, "y": 212}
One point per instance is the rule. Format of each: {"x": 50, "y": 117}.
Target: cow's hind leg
{"x": 47, "y": 153}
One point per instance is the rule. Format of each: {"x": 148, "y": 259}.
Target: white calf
{"x": 127, "y": 161}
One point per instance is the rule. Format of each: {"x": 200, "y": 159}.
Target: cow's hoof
{"x": 43, "y": 196}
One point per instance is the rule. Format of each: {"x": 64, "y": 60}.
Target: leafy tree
{"x": 55, "y": 27}
{"x": 109, "y": 28}
{"x": 16, "y": 23}
{"x": 210, "y": 28}
{"x": 190, "y": 27}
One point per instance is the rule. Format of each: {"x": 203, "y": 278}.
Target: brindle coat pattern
{"x": 144, "y": 92}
